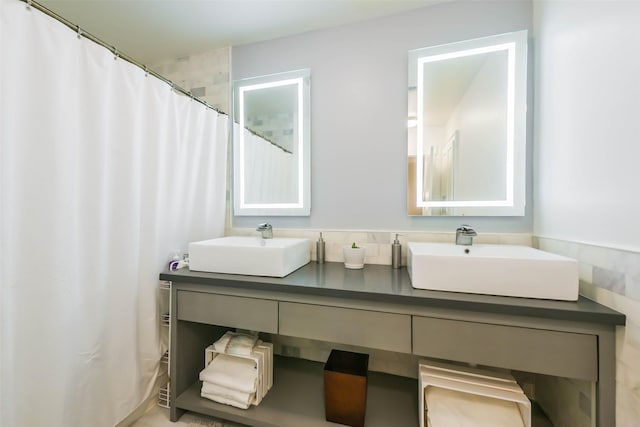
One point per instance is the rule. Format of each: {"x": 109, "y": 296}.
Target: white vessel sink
{"x": 252, "y": 256}
{"x": 516, "y": 271}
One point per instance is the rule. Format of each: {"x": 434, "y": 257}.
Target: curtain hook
{"x": 146, "y": 71}
{"x": 115, "y": 53}
{"x": 29, "y": 4}
{"x": 79, "y": 32}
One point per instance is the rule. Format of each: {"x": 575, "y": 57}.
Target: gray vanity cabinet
{"x": 377, "y": 308}
{"x": 253, "y": 314}
{"x": 364, "y": 328}
{"x": 547, "y": 352}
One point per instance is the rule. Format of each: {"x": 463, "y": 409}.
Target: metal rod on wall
{"x": 117, "y": 53}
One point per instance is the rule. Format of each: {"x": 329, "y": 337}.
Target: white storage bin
{"x": 488, "y": 390}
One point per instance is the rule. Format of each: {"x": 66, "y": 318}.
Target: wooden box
{"x": 345, "y": 387}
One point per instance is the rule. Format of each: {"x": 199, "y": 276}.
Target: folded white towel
{"x": 236, "y": 373}
{"x": 235, "y": 343}
{"x": 454, "y": 408}
{"x": 227, "y": 393}
{"x": 224, "y": 400}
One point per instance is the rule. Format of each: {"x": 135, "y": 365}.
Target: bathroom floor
{"x": 159, "y": 417}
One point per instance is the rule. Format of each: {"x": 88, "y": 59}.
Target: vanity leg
{"x": 188, "y": 341}
{"x": 606, "y": 385}
{"x": 175, "y": 413}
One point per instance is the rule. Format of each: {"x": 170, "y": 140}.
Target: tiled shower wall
{"x": 205, "y": 75}
{"x": 612, "y": 278}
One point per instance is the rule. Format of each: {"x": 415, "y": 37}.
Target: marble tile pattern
{"x": 567, "y": 402}
{"x": 205, "y": 75}
{"x": 611, "y": 277}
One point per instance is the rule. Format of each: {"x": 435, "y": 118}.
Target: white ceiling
{"x": 150, "y": 31}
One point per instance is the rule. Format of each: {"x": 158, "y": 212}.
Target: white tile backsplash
{"x": 378, "y": 243}
{"x": 564, "y": 400}
{"x": 627, "y": 408}
{"x": 608, "y": 276}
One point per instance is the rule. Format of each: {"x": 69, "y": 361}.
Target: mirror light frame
{"x": 515, "y": 44}
{"x": 301, "y": 79}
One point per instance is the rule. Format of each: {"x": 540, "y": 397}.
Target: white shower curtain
{"x": 270, "y": 172}
{"x": 103, "y": 172}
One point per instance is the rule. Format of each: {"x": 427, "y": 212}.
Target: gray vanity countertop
{"x": 382, "y": 283}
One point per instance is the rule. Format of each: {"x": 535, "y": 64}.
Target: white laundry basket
{"x": 477, "y": 385}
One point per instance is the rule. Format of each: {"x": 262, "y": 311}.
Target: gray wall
{"x": 587, "y": 147}
{"x": 587, "y": 128}
{"x": 359, "y": 111}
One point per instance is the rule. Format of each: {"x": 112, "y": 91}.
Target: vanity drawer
{"x": 373, "y": 329}
{"x": 557, "y": 353}
{"x": 238, "y": 312}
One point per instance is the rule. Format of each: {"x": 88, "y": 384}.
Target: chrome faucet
{"x": 464, "y": 235}
{"x": 266, "y": 229}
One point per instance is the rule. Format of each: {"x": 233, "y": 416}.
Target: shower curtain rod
{"x": 34, "y": 4}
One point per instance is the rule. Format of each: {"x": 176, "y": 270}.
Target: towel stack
{"x": 238, "y": 370}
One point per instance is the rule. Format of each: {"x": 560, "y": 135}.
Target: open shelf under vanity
{"x": 296, "y": 399}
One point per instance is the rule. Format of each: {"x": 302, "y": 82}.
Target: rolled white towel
{"x": 235, "y": 343}
{"x": 227, "y": 393}
{"x": 224, "y": 400}
{"x": 236, "y": 373}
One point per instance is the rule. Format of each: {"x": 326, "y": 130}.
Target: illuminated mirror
{"x": 467, "y": 127}
{"x": 271, "y": 142}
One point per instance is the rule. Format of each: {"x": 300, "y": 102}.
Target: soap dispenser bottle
{"x": 396, "y": 253}
{"x": 320, "y": 250}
